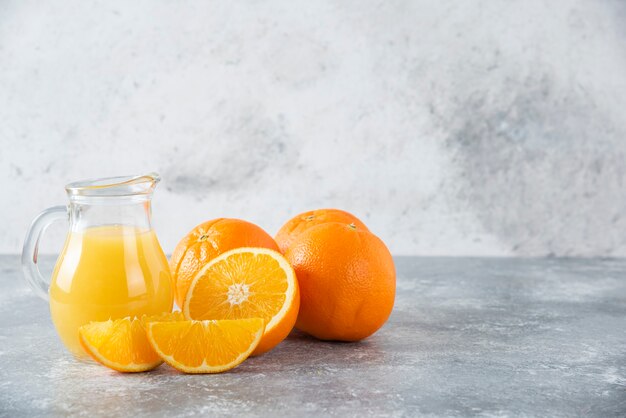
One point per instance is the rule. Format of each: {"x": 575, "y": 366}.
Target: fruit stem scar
{"x": 352, "y": 226}
{"x": 202, "y": 235}
{"x": 309, "y": 218}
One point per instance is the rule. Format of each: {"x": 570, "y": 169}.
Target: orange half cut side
{"x": 247, "y": 283}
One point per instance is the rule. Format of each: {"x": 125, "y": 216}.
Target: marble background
{"x": 449, "y": 127}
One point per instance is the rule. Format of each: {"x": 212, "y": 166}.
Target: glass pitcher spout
{"x": 124, "y": 201}
{"x": 138, "y": 187}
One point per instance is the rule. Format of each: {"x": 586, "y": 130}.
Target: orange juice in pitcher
{"x": 112, "y": 265}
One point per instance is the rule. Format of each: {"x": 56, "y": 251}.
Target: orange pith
{"x": 247, "y": 283}
{"x": 205, "y": 346}
{"x": 122, "y": 344}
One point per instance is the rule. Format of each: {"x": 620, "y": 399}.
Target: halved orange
{"x": 122, "y": 344}
{"x": 247, "y": 283}
{"x": 205, "y": 346}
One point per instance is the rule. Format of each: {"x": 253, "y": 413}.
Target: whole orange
{"x": 347, "y": 281}
{"x": 208, "y": 240}
{"x": 300, "y": 223}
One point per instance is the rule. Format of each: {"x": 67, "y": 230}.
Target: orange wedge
{"x": 247, "y": 283}
{"x": 205, "y": 346}
{"x": 122, "y": 344}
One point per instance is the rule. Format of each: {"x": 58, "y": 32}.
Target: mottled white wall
{"x": 450, "y": 127}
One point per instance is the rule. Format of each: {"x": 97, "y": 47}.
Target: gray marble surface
{"x": 454, "y": 128}
{"x": 467, "y": 337}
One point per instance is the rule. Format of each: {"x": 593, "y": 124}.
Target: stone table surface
{"x": 467, "y": 337}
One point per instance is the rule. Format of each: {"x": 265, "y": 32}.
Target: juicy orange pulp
{"x": 247, "y": 283}
{"x": 205, "y": 346}
{"x": 122, "y": 344}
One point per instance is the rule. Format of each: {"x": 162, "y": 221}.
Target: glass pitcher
{"x": 111, "y": 266}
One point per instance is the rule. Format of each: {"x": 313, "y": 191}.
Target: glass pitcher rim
{"x": 116, "y": 186}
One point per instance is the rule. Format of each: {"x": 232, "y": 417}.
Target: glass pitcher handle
{"x": 30, "y": 252}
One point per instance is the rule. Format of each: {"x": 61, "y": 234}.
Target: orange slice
{"x": 122, "y": 344}
{"x": 247, "y": 283}
{"x": 205, "y": 346}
